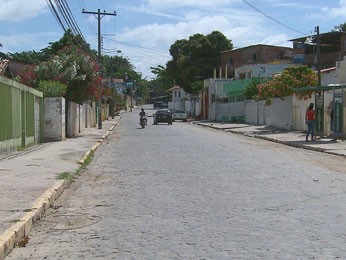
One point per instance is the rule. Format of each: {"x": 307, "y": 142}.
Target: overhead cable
{"x": 271, "y": 18}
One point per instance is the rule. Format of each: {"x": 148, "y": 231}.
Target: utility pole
{"x": 318, "y": 54}
{"x": 99, "y": 17}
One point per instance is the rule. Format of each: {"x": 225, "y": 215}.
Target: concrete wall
{"x": 255, "y": 112}
{"x": 89, "y": 114}
{"x": 227, "y": 112}
{"x": 54, "y": 119}
{"x": 278, "y": 114}
{"x": 74, "y": 119}
{"x": 78, "y": 118}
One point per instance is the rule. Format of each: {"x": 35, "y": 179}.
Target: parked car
{"x": 163, "y": 116}
{"x": 179, "y": 115}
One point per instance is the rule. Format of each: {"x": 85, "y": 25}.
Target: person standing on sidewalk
{"x": 310, "y": 121}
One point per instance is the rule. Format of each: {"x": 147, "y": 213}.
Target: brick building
{"x": 254, "y": 54}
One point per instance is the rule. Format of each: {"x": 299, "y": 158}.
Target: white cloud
{"x": 19, "y": 10}
{"x": 31, "y": 41}
{"x": 340, "y": 11}
{"x": 167, "y": 4}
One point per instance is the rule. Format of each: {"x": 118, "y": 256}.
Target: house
{"x": 179, "y": 96}
{"x": 182, "y": 100}
{"x": 332, "y": 49}
{"x": 254, "y": 54}
{"x": 11, "y": 69}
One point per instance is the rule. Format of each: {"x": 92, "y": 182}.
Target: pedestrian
{"x": 310, "y": 121}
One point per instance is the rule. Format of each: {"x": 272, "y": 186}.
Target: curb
{"x": 288, "y": 143}
{"x": 17, "y": 235}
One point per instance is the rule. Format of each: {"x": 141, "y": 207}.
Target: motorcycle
{"x": 143, "y": 121}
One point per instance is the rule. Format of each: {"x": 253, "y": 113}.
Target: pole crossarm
{"x": 98, "y": 12}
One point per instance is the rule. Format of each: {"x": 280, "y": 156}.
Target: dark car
{"x": 163, "y": 116}
{"x": 160, "y": 105}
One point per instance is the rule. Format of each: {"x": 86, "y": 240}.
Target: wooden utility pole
{"x": 99, "y": 17}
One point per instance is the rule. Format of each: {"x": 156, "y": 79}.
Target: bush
{"x": 52, "y": 88}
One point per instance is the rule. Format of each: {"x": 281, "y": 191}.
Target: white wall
{"x": 278, "y": 114}
{"x": 54, "y": 119}
{"x": 75, "y": 119}
{"x": 255, "y": 112}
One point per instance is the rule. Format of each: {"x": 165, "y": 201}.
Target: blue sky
{"x": 143, "y": 30}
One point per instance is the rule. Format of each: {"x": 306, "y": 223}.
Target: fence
{"x": 21, "y": 116}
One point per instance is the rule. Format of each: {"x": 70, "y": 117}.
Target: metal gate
{"x": 319, "y": 109}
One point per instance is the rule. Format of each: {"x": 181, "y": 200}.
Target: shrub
{"x": 52, "y": 88}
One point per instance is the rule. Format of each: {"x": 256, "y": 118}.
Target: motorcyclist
{"x": 143, "y": 115}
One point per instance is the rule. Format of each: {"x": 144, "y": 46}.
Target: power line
{"x": 271, "y": 18}
{"x": 74, "y": 24}
{"x": 55, "y": 14}
{"x": 62, "y": 13}
{"x": 154, "y": 51}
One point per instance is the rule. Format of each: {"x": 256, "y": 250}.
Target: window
{"x": 254, "y": 58}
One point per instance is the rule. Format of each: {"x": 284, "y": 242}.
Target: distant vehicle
{"x": 160, "y": 105}
{"x": 163, "y": 116}
{"x": 179, "y": 115}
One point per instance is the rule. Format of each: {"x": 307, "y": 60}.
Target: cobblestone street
{"x": 188, "y": 192}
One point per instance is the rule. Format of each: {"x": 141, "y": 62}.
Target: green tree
{"x": 68, "y": 40}
{"x": 116, "y": 67}
{"x": 72, "y": 67}
{"x": 163, "y": 80}
{"x": 194, "y": 59}
{"x": 251, "y": 91}
{"x": 283, "y": 85}
{"x": 52, "y": 88}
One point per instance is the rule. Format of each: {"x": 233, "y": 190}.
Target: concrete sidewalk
{"x": 29, "y": 183}
{"x": 292, "y": 138}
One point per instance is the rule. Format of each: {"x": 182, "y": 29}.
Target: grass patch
{"x": 70, "y": 176}
{"x": 27, "y": 210}
{"x": 86, "y": 162}
{"x": 65, "y": 176}
{"x": 15, "y": 221}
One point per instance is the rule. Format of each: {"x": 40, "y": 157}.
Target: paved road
{"x": 188, "y": 192}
